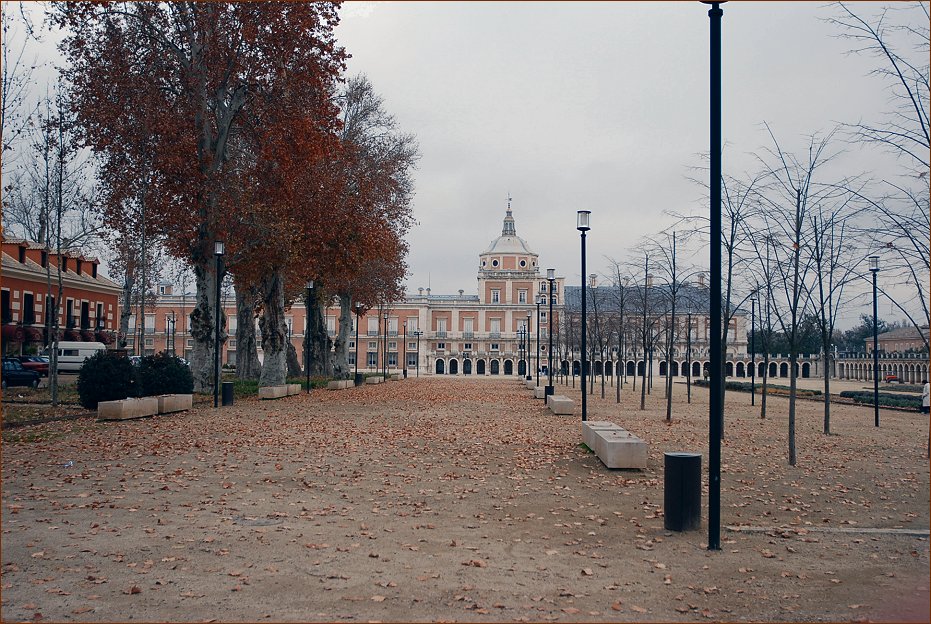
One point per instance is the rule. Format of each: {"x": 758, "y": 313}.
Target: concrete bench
{"x": 560, "y": 404}
{"x": 273, "y": 392}
{"x": 340, "y": 384}
{"x": 396, "y": 377}
{"x": 590, "y": 426}
{"x": 293, "y": 389}
{"x": 531, "y": 384}
{"x": 538, "y": 392}
{"x": 127, "y": 408}
{"x": 168, "y": 403}
{"x": 373, "y": 380}
{"x": 617, "y": 447}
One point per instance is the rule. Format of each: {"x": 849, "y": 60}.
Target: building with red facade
{"x": 89, "y": 309}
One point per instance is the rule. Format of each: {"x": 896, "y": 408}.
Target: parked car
{"x": 135, "y": 360}
{"x": 35, "y": 363}
{"x": 15, "y": 375}
{"x": 891, "y": 378}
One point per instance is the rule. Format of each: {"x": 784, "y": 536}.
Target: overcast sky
{"x": 600, "y": 106}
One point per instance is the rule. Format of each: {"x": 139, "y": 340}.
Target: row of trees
{"x": 233, "y": 122}
{"x": 797, "y": 231}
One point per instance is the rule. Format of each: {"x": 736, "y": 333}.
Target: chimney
{"x": 461, "y": 292}
{"x": 428, "y": 291}
{"x": 420, "y": 291}
{"x": 649, "y": 280}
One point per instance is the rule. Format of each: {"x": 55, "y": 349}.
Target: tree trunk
{"x": 294, "y": 363}
{"x": 827, "y": 387}
{"x": 341, "y": 355}
{"x": 793, "y": 382}
{"x": 247, "y": 356}
{"x": 316, "y": 334}
{"x": 765, "y": 378}
{"x": 274, "y": 331}
{"x": 126, "y": 308}
{"x": 202, "y": 325}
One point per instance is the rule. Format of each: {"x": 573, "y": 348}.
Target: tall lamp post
{"x": 356, "y": 379}
{"x": 404, "y": 359}
{"x": 307, "y": 308}
{"x": 753, "y": 351}
{"x": 527, "y": 351}
{"x": 539, "y": 301}
{"x": 418, "y": 333}
{"x": 218, "y": 249}
{"x": 688, "y": 352}
{"x": 521, "y": 336}
{"x": 583, "y": 225}
{"x": 874, "y": 269}
{"x": 385, "y": 363}
{"x": 551, "y": 278}
{"x": 716, "y": 407}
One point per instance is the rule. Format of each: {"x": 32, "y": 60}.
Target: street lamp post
{"x": 356, "y": 379}
{"x": 218, "y": 250}
{"x": 404, "y": 360}
{"x": 527, "y": 350}
{"x": 753, "y": 351}
{"x": 551, "y": 278}
{"x": 521, "y": 332}
{"x": 874, "y": 269}
{"x": 385, "y": 363}
{"x": 583, "y": 225}
{"x": 688, "y": 353}
{"x": 307, "y": 308}
{"x": 539, "y": 301}
{"x": 418, "y": 333}
{"x": 716, "y": 407}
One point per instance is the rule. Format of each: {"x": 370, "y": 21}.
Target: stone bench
{"x": 293, "y": 389}
{"x": 340, "y": 384}
{"x": 168, "y": 403}
{"x": 373, "y": 380}
{"x": 531, "y": 384}
{"x": 127, "y": 408}
{"x": 396, "y": 377}
{"x": 273, "y": 392}
{"x": 560, "y": 404}
{"x": 538, "y": 392}
{"x": 617, "y": 447}
{"x": 590, "y": 426}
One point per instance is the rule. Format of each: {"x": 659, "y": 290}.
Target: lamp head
{"x": 874, "y": 263}
{"x": 551, "y": 274}
{"x": 219, "y": 248}
{"x": 583, "y": 222}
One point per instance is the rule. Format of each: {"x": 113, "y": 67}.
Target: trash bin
{"x": 359, "y": 379}
{"x": 682, "y": 493}
{"x": 227, "y": 392}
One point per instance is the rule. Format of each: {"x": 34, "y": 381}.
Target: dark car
{"x": 35, "y": 363}
{"x": 15, "y": 375}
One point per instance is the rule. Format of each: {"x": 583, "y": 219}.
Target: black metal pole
{"x": 356, "y": 376}
{"x": 584, "y": 329}
{"x": 216, "y": 336}
{"x": 875, "y": 356}
{"x": 549, "y": 348}
{"x": 688, "y": 358}
{"x": 419, "y": 333}
{"x": 385, "y": 353}
{"x": 404, "y": 360}
{"x": 538, "y": 342}
{"x": 716, "y": 409}
{"x": 753, "y": 352}
{"x": 527, "y": 350}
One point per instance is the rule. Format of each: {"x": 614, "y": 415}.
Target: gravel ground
{"x": 459, "y": 499}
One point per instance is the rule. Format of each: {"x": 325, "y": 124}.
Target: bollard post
{"x": 682, "y": 491}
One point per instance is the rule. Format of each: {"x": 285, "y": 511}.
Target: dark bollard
{"x": 359, "y": 379}
{"x": 682, "y": 495}
{"x": 227, "y": 393}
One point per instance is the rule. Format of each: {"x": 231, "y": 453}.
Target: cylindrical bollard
{"x": 359, "y": 379}
{"x": 682, "y": 494}
{"x": 227, "y": 389}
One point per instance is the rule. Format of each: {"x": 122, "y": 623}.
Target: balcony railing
{"x": 494, "y": 334}
{"x": 467, "y": 334}
{"x": 441, "y": 334}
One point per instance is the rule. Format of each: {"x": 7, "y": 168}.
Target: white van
{"x": 71, "y": 355}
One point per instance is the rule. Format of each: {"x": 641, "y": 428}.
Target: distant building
{"x": 89, "y": 310}
{"x": 901, "y": 340}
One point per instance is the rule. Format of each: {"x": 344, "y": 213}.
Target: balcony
{"x": 494, "y": 334}
{"x": 441, "y": 334}
{"x": 468, "y": 334}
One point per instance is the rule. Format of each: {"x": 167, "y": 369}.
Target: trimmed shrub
{"x": 105, "y": 376}
{"x": 163, "y": 373}
{"x": 886, "y": 399}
